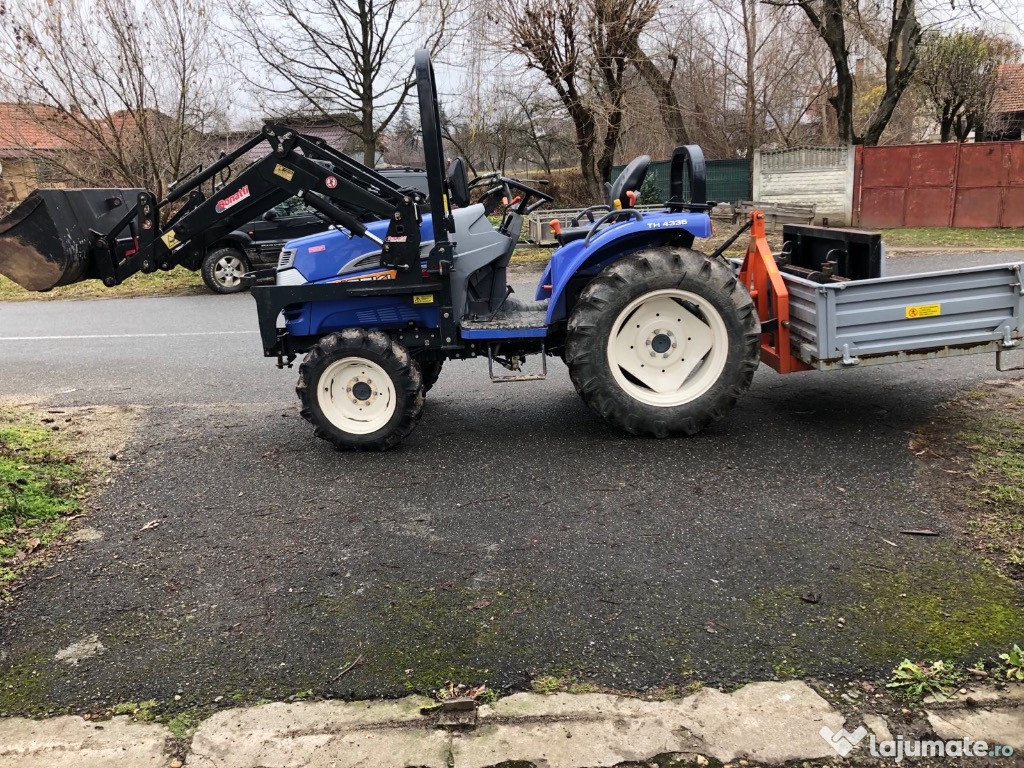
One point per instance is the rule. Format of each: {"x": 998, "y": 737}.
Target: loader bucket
{"x": 46, "y": 240}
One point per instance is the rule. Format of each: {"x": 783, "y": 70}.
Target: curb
{"x": 768, "y": 723}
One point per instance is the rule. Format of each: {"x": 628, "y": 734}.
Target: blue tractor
{"x": 659, "y": 339}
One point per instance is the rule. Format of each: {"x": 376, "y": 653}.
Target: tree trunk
{"x": 369, "y": 138}
{"x": 946, "y": 124}
{"x": 611, "y": 141}
{"x": 668, "y": 103}
{"x": 833, "y": 31}
{"x": 750, "y": 103}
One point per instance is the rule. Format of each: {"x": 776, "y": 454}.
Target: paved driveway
{"x": 513, "y": 535}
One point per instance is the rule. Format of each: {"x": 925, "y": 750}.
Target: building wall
{"x": 819, "y": 175}
{"x": 17, "y": 179}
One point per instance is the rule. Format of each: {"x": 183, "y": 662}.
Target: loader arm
{"x": 339, "y": 188}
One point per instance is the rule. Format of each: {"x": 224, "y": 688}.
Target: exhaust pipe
{"x": 47, "y": 240}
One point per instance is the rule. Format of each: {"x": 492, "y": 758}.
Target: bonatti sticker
{"x": 233, "y": 199}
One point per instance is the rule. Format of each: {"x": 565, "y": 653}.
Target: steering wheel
{"x": 504, "y": 185}
{"x": 630, "y": 180}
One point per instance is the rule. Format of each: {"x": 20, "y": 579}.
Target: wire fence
{"x": 728, "y": 181}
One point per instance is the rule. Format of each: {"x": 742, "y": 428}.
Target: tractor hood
{"x": 335, "y": 253}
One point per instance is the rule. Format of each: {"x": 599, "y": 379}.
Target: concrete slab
{"x": 878, "y": 726}
{"x": 767, "y": 722}
{"x": 320, "y": 735}
{"x": 996, "y": 726}
{"x": 72, "y": 742}
{"x": 570, "y": 731}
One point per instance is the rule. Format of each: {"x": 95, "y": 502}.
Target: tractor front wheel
{"x": 431, "y": 370}
{"x": 663, "y": 341}
{"x": 362, "y": 390}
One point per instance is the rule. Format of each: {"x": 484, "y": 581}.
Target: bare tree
{"x": 515, "y": 127}
{"x": 897, "y": 40}
{"x": 583, "y": 49}
{"x": 131, "y": 90}
{"x": 348, "y": 61}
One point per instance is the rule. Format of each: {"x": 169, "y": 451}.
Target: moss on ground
{"x": 438, "y": 636}
{"x": 976, "y": 449}
{"x": 945, "y": 607}
{"x": 23, "y": 686}
{"x": 943, "y": 603}
{"x": 40, "y": 485}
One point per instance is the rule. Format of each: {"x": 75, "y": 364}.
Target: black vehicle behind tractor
{"x": 259, "y": 242}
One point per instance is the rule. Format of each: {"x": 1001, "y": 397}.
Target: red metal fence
{"x": 940, "y": 185}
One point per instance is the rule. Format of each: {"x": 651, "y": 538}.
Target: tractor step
{"x": 505, "y": 379}
{"x": 515, "y": 324}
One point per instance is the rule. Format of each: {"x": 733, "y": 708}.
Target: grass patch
{"x": 531, "y": 255}
{"x": 40, "y": 485}
{"x": 184, "y": 723}
{"x": 556, "y": 683}
{"x": 142, "y": 711}
{"x": 946, "y": 237}
{"x": 983, "y": 437}
{"x": 915, "y": 681}
{"x": 177, "y": 282}
{"x": 940, "y": 609}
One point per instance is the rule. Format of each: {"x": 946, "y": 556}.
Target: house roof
{"x": 26, "y": 129}
{"x": 1009, "y": 95}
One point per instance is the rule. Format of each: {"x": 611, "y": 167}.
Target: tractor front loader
{"x": 659, "y": 339}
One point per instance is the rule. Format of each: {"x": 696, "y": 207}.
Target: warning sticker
{"x": 387, "y": 274}
{"x": 169, "y": 239}
{"x": 924, "y": 310}
{"x": 284, "y": 172}
{"x": 423, "y": 298}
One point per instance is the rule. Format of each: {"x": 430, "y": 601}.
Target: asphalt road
{"x": 514, "y": 534}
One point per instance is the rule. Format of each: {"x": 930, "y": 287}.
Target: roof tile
{"x": 1009, "y": 89}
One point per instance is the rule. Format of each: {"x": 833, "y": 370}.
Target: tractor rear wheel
{"x": 362, "y": 390}
{"x": 663, "y": 341}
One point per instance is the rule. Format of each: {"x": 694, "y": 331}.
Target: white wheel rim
{"x": 356, "y": 395}
{"x": 228, "y": 271}
{"x": 668, "y": 347}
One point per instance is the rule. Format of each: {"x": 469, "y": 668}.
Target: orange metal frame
{"x": 762, "y": 279}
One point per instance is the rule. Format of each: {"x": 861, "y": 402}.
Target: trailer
{"x": 826, "y": 303}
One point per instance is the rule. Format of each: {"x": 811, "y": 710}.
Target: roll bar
{"x": 688, "y": 163}
{"x": 433, "y": 156}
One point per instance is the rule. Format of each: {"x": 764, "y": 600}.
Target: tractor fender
{"x": 581, "y": 259}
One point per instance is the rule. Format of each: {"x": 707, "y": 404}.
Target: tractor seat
{"x": 573, "y": 233}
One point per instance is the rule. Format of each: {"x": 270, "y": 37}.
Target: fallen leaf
{"x": 483, "y": 602}
{"x": 32, "y": 545}
{"x": 150, "y": 524}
